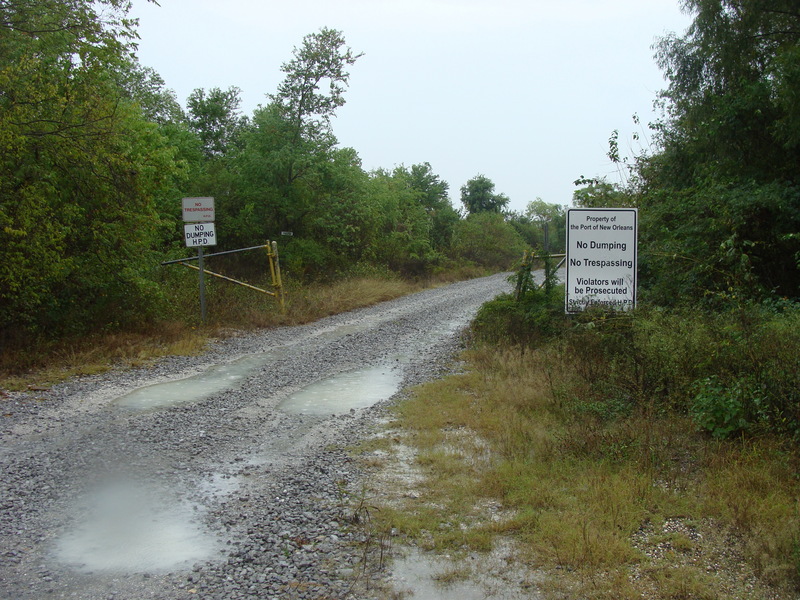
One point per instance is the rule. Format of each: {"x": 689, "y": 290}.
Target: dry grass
{"x": 39, "y": 363}
{"x": 29, "y": 362}
{"x": 26, "y": 362}
{"x": 638, "y": 506}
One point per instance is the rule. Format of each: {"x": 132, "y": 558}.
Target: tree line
{"x": 717, "y": 180}
{"x": 97, "y": 153}
{"x": 717, "y": 185}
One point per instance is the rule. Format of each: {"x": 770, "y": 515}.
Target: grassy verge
{"x": 27, "y": 361}
{"x": 650, "y": 455}
{"x": 638, "y": 507}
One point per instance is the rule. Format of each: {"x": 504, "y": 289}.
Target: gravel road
{"x": 222, "y": 476}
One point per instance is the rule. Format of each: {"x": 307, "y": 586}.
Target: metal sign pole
{"x": 199, "y": 230}
{"x": 202, "y": 285}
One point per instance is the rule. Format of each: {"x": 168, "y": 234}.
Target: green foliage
{"x": 486, "y": 239}
{"x": 599, "y": 193}
{"x": 288, "y": 175}
{"x": 80, "y": 171}
{"x": 725, "y": 409}
{"x": 530, "y": 316}
{"x": 403, "y": 241}
{"x": 323, "y": 58}
{"x": 718, "y": 244}
{"x": 431, "y": 193}
{"x": 215, "y": 117}
{"x": 304, "y": 258}
{"x": 478, "y": 196}
{"x": 719, "y": 200}
{"x": 733, "y": 372}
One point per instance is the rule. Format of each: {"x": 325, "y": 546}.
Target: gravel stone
{"x": 276, "y": 493}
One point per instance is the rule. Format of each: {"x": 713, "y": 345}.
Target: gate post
{"x": 275, "y": 271}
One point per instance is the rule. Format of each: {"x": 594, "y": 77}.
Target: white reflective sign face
{"x": 200, "y": 234}
{"x": 198, "y": 209}
{"x": 601, "y": 258}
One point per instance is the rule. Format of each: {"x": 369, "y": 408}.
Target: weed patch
{"x": 27, "y": 360}
{"x": 589, "y": 448}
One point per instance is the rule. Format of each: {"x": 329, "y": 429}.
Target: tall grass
{"x": 586, "y": 433}
{"x": 38, "y": 360}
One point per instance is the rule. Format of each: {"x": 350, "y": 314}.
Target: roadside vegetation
{"x": 647, "y": 454}
{"x": 650, "y": 453}
{"x": 97, "y": 153}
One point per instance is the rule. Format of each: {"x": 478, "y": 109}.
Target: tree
{"x": 720, "y": 199}
{"x": 551, "y": 219}
{"x": 432, "y": 193}
{"x": 216, "y": 118}
{"x": 486, "y": 239}
{"x": 147, "y": 88}
{"x": 286, "y": 153}
{"x": 79, "y": 170}
{"x": 403, "y": 241}
{"x": 478, "y": 195}
{"x": 322, "y": 59}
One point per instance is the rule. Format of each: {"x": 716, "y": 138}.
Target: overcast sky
{"x": 525, "y": 92}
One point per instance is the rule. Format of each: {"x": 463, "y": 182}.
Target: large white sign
{"x": 198, "y": 210}
{"x": 200, "y": 234}
{"x": 601, "y": 258}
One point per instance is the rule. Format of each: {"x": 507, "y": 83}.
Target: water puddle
{"x": 420, "y": 575}
{"x": 417, "y": 576}
{"x": 218, "y": 485}
{"x": 192, "y": 389}
{"x": 127, "y": 528}
{"x": 343, "y": 392}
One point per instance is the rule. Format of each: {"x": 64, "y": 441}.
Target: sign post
{"x": 601, "y": 258}
{"x": 199, "y": 231}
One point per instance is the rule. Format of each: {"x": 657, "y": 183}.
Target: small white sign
{"x": 601, "y": 258}
{"x": 198, "y": 210}
{"x": 200, "y": 234}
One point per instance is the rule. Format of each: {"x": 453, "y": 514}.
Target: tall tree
{"x": 291, "y": 144}
{"x": 216, "y": 117}
{"x": 79, "y": 168}
{"x": 478, "y": 195}
{"x": 432, "y": 193}
{"x": 321, "y": 60}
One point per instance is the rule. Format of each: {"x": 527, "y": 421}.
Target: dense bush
{"x": 531, "y": 315}
{"x": 486, "y": 239}
{"x": 734, "y": 372}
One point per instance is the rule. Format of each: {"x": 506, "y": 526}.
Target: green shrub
{"x": 737, "y": 371}
{"x": 529, "y": 316}
{"x": 725, "y": 409}
{"x": 486, "y": 239}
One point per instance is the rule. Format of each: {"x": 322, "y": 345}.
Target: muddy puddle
{"x": 126, "y": 527}
{"x": 417, "y": 574}
{"x": 343, "y": 392}
{"x": 196, "y": 388}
